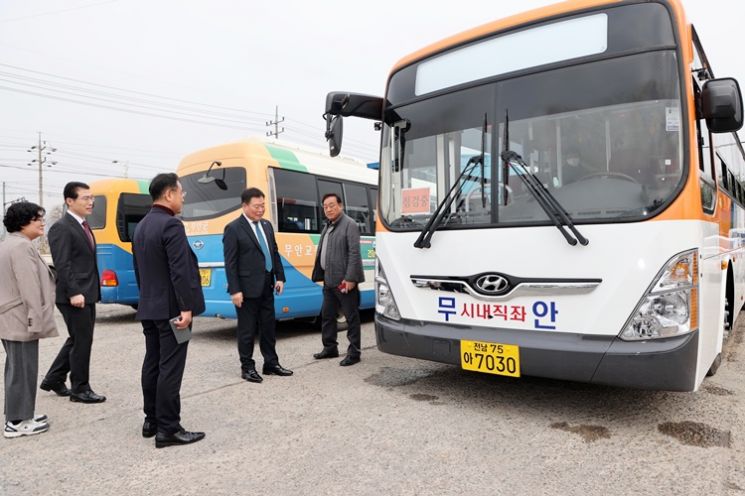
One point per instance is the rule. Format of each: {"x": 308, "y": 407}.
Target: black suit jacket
{"x": 74, "y": 260}
{"x": 166, "y": 269}
{"x": 244, "y": 260}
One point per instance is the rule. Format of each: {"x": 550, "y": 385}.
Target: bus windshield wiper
{"x": 423, "y": 241}
{"x": 543, "y": 196}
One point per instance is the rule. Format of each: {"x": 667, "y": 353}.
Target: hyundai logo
{"x": 198, "y": 244}
{"x": 492, "y": 284}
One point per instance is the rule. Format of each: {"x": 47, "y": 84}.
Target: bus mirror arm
{"x": 219, "y": 182}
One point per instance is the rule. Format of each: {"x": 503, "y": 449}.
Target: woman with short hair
{"x": 26, "y": 315}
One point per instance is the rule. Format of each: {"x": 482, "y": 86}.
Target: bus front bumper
{"x": 665, "y": 364}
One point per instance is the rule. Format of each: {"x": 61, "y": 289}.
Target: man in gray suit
{"x": 339, "y": 265}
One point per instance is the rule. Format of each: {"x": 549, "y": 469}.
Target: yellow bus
{"x": 119, "y": 205}
{"x": 294, "y": 180}
{"x": 561, "y": 196}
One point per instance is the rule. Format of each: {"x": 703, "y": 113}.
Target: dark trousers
{"x": 256, "y": 316}
{"x": 21, "y": 371}
{"x": 75, "y": 355}
{"x": 333, "y": 299}
{"x": 162, "y": 371}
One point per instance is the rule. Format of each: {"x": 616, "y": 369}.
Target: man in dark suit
{"x": 167, "y": 275}
{"x": 73, "y": 249}
{"x": 254, "y": 271}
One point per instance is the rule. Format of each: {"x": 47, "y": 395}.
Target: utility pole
{"x": 125, "y": 165}
{"x": 43, "y": 154}
{"x": 275, "y": 123}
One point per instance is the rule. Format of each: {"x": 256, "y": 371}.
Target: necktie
{"x": 89, "y": 234}
{"x": 264, "y": 248}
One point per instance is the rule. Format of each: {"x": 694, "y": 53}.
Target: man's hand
{"x": 78, "y": 301}
{"x": 237, "y": 299}
{"x": 350, "y": 285}
{"x": 185, "y": 320}
{"x": 279, "y": 286}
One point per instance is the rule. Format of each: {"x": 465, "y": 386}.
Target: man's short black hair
{"x": 21, "y": 214}
{"x": 327, "y": 195}
{"x": 71, "y": 189}
{"x": 251, "y": 193}
{"x": 162, "y": 183}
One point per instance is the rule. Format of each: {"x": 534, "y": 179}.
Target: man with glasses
{"x": 167, "y": 274}
{"x": 254, "y": 271}
{"x": 339, "y": 265}
{"x": 73, "y": 249}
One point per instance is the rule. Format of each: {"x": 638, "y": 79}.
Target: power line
{"x": 60, "y": 170}
{"x": 40, "y": 14}
{"x": 234, "y": 110}
{"x": 108, "y": 107}
{"x": 108, "y": 96}
{"x": 154, "y": 106}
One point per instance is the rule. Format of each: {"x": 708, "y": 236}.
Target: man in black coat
{"x": 254, "y": 271}
{"x": 73, "y": 249}
{"x": 167, "y": 275}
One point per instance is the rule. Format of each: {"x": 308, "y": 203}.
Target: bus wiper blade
{"x": 545, "y": 199}
{"x": 423, "y": 241}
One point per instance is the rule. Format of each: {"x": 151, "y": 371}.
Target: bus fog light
{"x": 384, "y": 302}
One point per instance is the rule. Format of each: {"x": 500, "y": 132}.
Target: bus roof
{"x": 520, "y": 19}
{"x": 283, "y": 155}
{"x": 119, "y": 185}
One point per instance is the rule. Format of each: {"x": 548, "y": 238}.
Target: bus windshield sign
{"x": 533, "y": 47}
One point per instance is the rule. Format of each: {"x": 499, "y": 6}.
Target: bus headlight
{"x": 670, "y": 307}
{"x": 384, "y": 302}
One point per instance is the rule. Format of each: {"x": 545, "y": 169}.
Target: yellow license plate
{"x": 491, "y": 358}
{"x": 206, "y": 276}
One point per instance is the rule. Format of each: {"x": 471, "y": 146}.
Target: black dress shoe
{"x": 326, "y": 354}
{"x": 149, "y": 428}
{"x": 251, "y": 376}
{"x": 349, "y": 360}
{"x": 179, "y": 437}
{"x": 59, "y": 388}
{"x": 276, "y": 370}
{"x": 87, "y": 397}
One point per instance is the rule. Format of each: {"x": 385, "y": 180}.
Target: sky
{"x": 129, "y": 87}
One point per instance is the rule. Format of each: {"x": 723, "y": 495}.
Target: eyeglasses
{"x": 87, "y": 199}
{"x": 183, "y": 195}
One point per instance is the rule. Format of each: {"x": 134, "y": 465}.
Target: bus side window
{"x": 357, "y": 207}
{"x": 97, "y": 220}
{"x": 325, "y": 187}
{"x": 723, "y": 179}
{"x": 373, "y": 195}
{"x": 297, "y": 203}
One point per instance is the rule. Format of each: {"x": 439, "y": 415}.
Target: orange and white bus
{"x": 561, "y": 195}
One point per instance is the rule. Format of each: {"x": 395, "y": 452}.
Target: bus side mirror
{"x": 342, "y": 104}
{"x": 722, "y": 105}
{"x": 334, "y": 133}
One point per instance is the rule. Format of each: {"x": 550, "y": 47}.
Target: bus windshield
{"x": 209, "y": 200}
{"x": 606, "y": 141}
